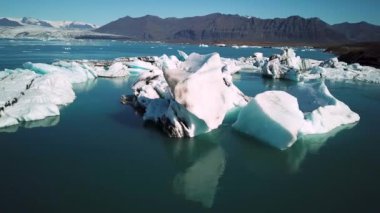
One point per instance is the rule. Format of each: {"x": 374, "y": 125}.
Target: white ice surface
{"x": 32, "y": 96}
{"x": 196, "y": 94}
{"x": 274, "y": 117}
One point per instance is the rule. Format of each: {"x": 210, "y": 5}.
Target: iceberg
{"x": 274, "y": 117}
{"x": 326, "y": 118}
{"x": 196, "y": 95}
{"x": 27, "y": 96}
{"x": 75, "y": 72}
{"x": 37, "y": 91}
{"x": 82, "y": 70}
{"x": 291, "y": 67}
{"x": 117, "y": 69}
{"x": 139, "y": 64}
{"x": 203, "y": 45}
{"x": 286, "y": 66}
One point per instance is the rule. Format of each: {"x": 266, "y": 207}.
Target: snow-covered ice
{"x": 27, "y": 96}
{"x": 37, "y": 91}
{"x": 325, "y": 118}
{"x": 117, "y": 69}
{"x": 196, "y": 94}
{"x": 274, "y": 117}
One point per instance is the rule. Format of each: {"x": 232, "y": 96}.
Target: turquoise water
{"x": 99, "y": 156}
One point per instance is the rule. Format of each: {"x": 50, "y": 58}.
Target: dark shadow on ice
{"x": 201, "y": 163}
{"x": 47, "y": 122}
{"x": 268, "y": 162}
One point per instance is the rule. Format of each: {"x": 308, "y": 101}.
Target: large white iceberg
{"x": 27, "y": 96}
{"x": 286, "y": 66}
{"x": 274, "y": 117}
{"x": 326, "y": 118}
{"x": 36, "y": 92}
{"x": 197, "y": 95}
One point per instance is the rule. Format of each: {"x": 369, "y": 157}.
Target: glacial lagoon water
{"x": 99, "y": 156}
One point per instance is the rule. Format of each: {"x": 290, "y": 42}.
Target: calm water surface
{"x": 99, "y": 156}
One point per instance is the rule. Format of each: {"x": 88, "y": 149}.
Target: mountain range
{"x": 28, "y": 21}
{"x": 32, "y": 28}
{"x": 214, "y": 28}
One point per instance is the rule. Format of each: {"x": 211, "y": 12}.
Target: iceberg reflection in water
{"x": 267, "y": 162}
{"x": 201, "y": 164}
{"x": 47, "y": 122}
{"x": 202, "y": 160}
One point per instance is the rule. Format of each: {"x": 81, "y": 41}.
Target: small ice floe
{"x": 275, "y": 118}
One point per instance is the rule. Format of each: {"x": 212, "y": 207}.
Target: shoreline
{"x": 364, "y": 53}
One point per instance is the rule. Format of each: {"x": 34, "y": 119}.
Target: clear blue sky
{"x": 103, "y": 11}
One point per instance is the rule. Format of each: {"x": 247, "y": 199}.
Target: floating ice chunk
{"x": 27, "y": 96}
{"x": 189, "y": 98}
{"x": 287, "y": 66}
{"x": 31, "y": 112}
{"x": 345, "y": 72}
{"x": 273, "y": 117}
{"x": 230, "y": 66}
{"x": 166, "y": 62}
{"x": 355, "y": 66}
{"x": 317, "y": 70}
{"x": 199, "y": 87}
{"x": 6, "y": 120}
{"x": 274, "y": 69}
{"x": 149, "y": 86}
{"x": 138, "y": 64}
{"x": 326, "y": 118}
{"x": 331, "y": 63}
{"x": 75, "y": 72}
{"x": 182, "y": 55}
{"x": 52, "y": 88}
{"x": 259, "y": 56}
{"x": 13, "y": 84}
{"x": 117, "y": 69}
